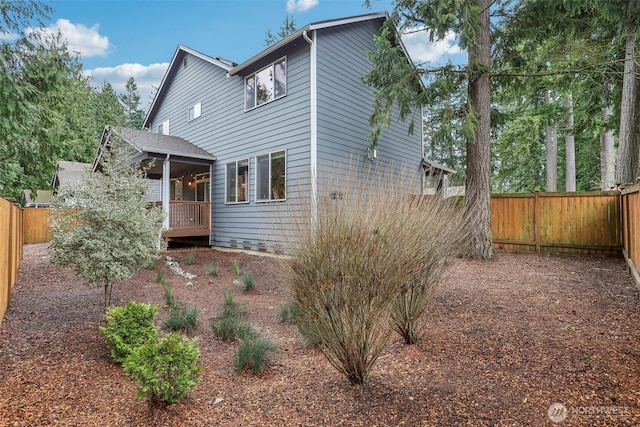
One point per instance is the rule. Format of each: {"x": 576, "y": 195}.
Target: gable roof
{"x": 69, "y": 173}
{"x": 233, "y": 68}
{"x": 301, "y": 33}
{"x": 178, "y": 55}
{"x": 152, "y": 143}
{"x": 431, "y": 166}
{"x": 43, "y": 198}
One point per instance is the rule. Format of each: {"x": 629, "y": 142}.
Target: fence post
{"x": 536, "y": 219}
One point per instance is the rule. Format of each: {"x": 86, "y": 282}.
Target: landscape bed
{"x": 506, "y": 340}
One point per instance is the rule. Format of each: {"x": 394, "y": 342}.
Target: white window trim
{"x": 256, "y": 177}
{"x": 197, "y": 111}
{"x": 226, "y": 176}
{"x": 252, "y": 75}
{"x": 164, "y": 125}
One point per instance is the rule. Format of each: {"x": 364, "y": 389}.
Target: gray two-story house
{"x": 236, "y": 143}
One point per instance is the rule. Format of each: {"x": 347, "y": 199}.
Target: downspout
{"x": 313, "y": 100}
{"x": 166, "y": 190}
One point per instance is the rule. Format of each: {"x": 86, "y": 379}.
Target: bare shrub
{"x": 362, "y": 245}
{"x": 443, "y": 221}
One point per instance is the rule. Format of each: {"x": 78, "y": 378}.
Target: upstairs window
{"x": 195, "y": 111}
{"x": 266, "y": 85}
{"x": 237, "y": 185}
{"x": 163, "y": 128}
{"x": 271, "y": 176}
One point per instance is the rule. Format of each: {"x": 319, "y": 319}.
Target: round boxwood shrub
{"x": 166, "y": 369}
{"x": 129, "y": 327}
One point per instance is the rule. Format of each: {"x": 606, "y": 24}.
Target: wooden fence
{"x": 630, "y": 207}
{"x": 35, "y": 227}
{"x": 583, "y": 223}
{"x": 10, "y": 251}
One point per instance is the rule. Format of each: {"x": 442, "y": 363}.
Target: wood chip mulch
{"x": 506, "y": 340}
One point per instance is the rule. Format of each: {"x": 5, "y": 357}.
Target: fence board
{"x": 35, "y": 225}
{"x": 10, "y": 251}
{"x": 630, "y": 201}
{"x": 586, "y": 223}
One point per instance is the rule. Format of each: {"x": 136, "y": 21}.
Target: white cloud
{"x": 86, "y": 41}
{"x": 147, "y": 78}
{"x": 422, "y": 50}
{"x": 300, "y": 5}
{"x": 9, "y": 37}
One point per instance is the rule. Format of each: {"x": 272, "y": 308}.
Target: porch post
{"x": 211, "y": 239}
{"x": 166, "y": 190}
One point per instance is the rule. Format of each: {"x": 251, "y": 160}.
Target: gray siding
{"x": 345, "y": 104}
{"x": 230, "y": 133}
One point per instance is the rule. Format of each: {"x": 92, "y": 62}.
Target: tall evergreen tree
{"x": 106, "y": 109}
{"x": 134, "y": 115}
{"x": 288, "y": 27}
{"x": 43, "y": 115}
{"x": 396, "y": 84}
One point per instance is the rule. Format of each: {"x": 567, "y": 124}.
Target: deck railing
{"x": 189, "y": 219}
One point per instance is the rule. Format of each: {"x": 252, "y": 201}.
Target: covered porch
{"x": 184, "y": 190}
{"x": 179, "y": 175}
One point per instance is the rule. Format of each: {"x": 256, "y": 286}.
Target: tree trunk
{"x": 607, "y": 153}
{"x": 570, "y": 148}
{"x": 107, "y": 297}
{"x": 551, "y": 146}
{"x": 478, "y": 183}
{"x": 627, "y": 160}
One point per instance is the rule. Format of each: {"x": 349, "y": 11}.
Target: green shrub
{"x": 230, "y": 309}
{"x": 191, "y": 258}
{"x": 225, "y": 328}
{"x": 160, "y": 276}
{"x": 168, "y": 295}
{"x": 129, "y": 327}
{"x": 236, "y": 267}
{"x": 166, "y": 369}
{"x": 228, "y": 326}
{"x": 182, "y": 318}
{"x": 212, "y": 270}
{"x": 230, "y": 329}
{"x": 247, "y": 280}
{"x": 288, "y": 312}
{"x": 252, "y": 353}
{"x": 354, "y": 254}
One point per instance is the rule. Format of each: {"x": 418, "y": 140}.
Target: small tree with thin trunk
{"x": 105, "y": 226}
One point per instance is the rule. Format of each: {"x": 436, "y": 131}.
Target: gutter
{"x": 303, "y": 33}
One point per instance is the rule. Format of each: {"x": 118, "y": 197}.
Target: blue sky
{"x": 137, "y": 38}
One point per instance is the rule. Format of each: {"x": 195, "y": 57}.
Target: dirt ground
{"x": 507, "y": 340}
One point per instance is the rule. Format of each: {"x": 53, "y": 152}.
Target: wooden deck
{"x": 188, "y": 219}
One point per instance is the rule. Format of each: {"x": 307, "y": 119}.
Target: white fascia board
{"x": 172, "y": 65}
{"x": 345, "y": 21}
{"x": 300, "y": 32}
{"x": 235, "y": 70}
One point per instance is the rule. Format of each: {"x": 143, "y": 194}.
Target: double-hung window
{"x": 266, "y": 84}
{"x": 271, "y": 176}
{"x": 237, "y": 182}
